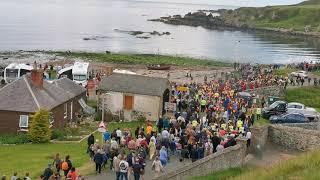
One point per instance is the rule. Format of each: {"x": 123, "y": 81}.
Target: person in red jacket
{"x": 72, "y": 175}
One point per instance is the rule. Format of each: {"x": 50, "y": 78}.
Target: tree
{"x": 39, "y": 131}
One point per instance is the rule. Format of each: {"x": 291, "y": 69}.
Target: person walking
{"x": 26, "y": 177}
{"x": 157, "y": 166}
{"x": 152, "y": 148}
{"x": 72, "y": 174}
{"x": 66, "y": 165}
{"x": 163, "y": 156}
{"x": 137, "y": 169}
{"x": 116, "y": 168}
{"x": 98, "y": 159}
{"x": 47, "y": 172}
{"x": 124, "y": 166}
{"x": 90, "y": 142}
{"x": 15, "y": 176}
{"x": 57, "y": 162}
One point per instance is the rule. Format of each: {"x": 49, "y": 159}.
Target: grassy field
{"x": 291, "y": 17}
{"x": 144, "y": 59}
{"x": 303, "y": 167}
{"x": 34, "y": 158}
{"x": 283, "y": 71}
{"x": 310, "y": 96}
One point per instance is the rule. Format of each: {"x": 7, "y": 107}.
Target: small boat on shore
{"x": 158, "y": 67}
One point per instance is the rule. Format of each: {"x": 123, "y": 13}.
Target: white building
{"x": 134, "y": 95}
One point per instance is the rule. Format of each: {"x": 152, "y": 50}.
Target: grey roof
{"x": 68, "y": 85}
{"x": 22, "y": 96}
{"x": 136, "y": 84}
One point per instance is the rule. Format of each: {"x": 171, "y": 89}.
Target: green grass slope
{"x": 292, "y": 18}
{"x": 303, "y": 167}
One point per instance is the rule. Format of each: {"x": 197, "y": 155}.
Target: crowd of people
{"x": 209, "y": 116}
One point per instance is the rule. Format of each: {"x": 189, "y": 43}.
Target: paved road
{"x": 149, "y": 174}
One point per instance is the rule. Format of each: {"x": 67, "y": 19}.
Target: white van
{"x": 80, "y": 73}
{"x": 14, "y": 71}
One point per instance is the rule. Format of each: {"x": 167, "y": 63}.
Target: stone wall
{"x": 294, "y": 137}
{"x": 231, "y": 157}
{"x": 259, "y": 137}
{"x": 310, "y": 126}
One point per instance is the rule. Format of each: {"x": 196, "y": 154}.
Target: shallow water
{"x": 62, "y": 25}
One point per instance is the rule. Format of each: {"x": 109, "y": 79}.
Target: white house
{"x": 132, "y": 95}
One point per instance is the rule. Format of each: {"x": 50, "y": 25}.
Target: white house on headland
{"x": 134, "y": 94}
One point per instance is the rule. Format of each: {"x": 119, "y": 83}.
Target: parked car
{"x": 289, "y": 118}
{"x": 303, "y": 74}
{"x": 276, "y": 108}
{"x": 310, "y": 113}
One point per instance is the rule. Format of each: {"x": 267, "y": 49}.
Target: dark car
{"x": 289, "y": 118}
{"x": 276, "y": 108}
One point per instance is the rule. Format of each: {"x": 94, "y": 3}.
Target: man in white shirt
{"x": 119, "y": 135}
{"x": 123, "y": 166}
{"x": 113, "y": 144}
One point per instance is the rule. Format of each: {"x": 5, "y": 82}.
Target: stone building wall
{"x": 231, "y": 157}
{"x": 294, "y": 137}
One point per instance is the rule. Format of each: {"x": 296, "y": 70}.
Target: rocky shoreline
{"x": 215, "y": 19}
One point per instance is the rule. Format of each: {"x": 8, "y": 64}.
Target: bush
{"x": 98, "y": 116}
{"x": 20, "y": 138}
{"x": 39, "y": 131}
{"x": 58, "y": 134}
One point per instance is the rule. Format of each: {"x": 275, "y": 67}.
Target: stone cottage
{"x": 26, "y": 95}
{"x": 130, "y": 96}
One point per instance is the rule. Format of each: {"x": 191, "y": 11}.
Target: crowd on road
{"x": 208, "y": 118}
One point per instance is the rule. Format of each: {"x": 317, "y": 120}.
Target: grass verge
{"x": 305, "y": 166}
{"x": 310, "y": 96}
{"x": 144, "y": 59}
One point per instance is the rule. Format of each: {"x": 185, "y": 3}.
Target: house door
{"x": 128, "y": 102}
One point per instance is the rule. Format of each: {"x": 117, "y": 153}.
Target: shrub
{"x": 58, "y": 134}
{"x": 20, "y": 138}
{"x": 98, "y": 116}
{"x": 39, "y": 131}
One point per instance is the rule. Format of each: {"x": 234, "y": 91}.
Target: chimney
{"x": 37, "y": 76}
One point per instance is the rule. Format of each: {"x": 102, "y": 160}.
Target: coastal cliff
{"x": 299, "y": 19}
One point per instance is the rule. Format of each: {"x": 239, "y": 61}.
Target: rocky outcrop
{"x": 142, "y": 34}
{"x": 94, "y": 38}
{"x": 223, "y": 19}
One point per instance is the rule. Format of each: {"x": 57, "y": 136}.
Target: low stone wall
{"x": 231, "y": 157}
{"x": 311, "y": 126}
{"x": 292, "y": 137}
{"x": 259, "y": 137}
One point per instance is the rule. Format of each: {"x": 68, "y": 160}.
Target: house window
{"x": 24, "y": 121}
{"x": 65, "y": 110}
{"x": 128, "y": 102}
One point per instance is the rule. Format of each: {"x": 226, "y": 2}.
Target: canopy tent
{"x": 86, "y": 109}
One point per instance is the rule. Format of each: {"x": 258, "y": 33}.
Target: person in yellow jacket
{"x": 203, "y": 104}
{"x": 239, "y": 124}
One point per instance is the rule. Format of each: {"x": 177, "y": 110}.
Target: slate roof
{"x": 68, "y": 85}
{"x": 22, "y": 96}
{"x": 136, "y": 84}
